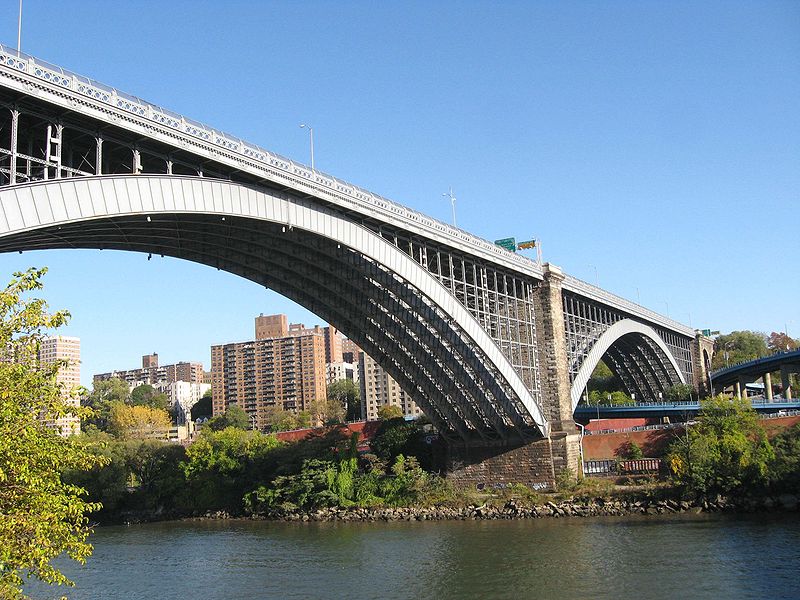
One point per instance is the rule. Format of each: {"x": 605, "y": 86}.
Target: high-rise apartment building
{"x": 333, "y": 345}
{"x": 57, "y": 348}
{"x": 378, "y": 389}
{"x": 153, "y": 374}
{"x": 150, "y": 360}
{"x": 271, "y": 326}
{"x": 350, "y": 351}
{"x": 287, "y": 371}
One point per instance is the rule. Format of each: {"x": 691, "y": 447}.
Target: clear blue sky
{"x": 654, "y": 147}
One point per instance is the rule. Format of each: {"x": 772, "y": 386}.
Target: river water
{"x": 680, "y": 556}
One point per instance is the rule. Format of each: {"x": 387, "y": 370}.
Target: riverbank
{"x": 513, "y": 509}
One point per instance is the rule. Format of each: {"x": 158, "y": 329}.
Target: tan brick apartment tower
{"x": 285, "y": 369}
{"x": 57, "y": 348}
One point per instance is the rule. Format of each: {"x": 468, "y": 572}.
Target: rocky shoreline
{"x": 516, "y": 510}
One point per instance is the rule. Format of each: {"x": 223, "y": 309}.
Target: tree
{"x": 726, "y": 451}
{"x": 387, "y": 412}
{"x": 104, "y": 394}
{"x": 41, "y": 515}
{"x": 681, "y": 392}
{"x": 221, "y": 465}
{"x": 279, "y": 419}
{"x": 347, "y": 394}
{"x": 738, "y": 346}
{"x": 629, "y": 450}
{"x": 155, "y": 467}
{"x": 397, "y": 437}
{"x": 784, "y": 471}
{"x": 203, "y": 409}
{"x": 138, "y": 422}
{"x": 616, "y": 398}
{"x": 780, "y": 342}
{"x": 603, "y": 379}
{"x": 234, "y": 416}
{"x": 328, "y": 411}
{"x": 147, "y": 395}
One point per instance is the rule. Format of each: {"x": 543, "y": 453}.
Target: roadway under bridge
{"x": 495, "y": 348}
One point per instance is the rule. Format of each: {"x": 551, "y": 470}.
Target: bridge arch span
{"x": 359, "y": 282}
{"x": 637, "y": 354}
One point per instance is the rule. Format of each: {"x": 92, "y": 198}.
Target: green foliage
{"x": 132, "y": 422}
{"x": 398, "y": 436}
{"x": 387, "y": 412}
{"x": 328, "y": 411}
{"x": 104, "y": 395}
{"x": 278, "y": 419}
{"x": 603, "y": 379}
{"x": 629, "y": 450}
{"x": 234, "y": 416}
{"x": 156, "y": 473}
{"x": 325, "y": 483}
{"x": 784, "y": 470}
{"x": 107, "y": 481}
{"x": 739, "y": 346}
{"x": 346, "y": 393}
{"x": 203, "y": 409}
{"x": 681, "y": 392}
{"x": 41, "y": 515}
{"x": 617, "y": 398}
{"x": 566, "y": 481}
{"x": 220, "y": 465}
{"x": 147, "y": 395}
{"x": 726, "y": 451}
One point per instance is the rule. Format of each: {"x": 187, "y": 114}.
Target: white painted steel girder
{"x": 28, "y": 207}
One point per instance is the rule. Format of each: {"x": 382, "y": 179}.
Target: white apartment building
{"x": 183, "y": 395}
{"x": 340, "y": 371}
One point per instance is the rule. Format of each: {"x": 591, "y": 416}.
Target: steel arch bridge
{"x": 493, "y": 346}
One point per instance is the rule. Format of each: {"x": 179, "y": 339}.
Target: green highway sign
{"x": 526, "y": 245}
{"x": 509, "y": 244}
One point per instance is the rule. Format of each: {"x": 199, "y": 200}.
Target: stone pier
{"x": 537, "y": 463}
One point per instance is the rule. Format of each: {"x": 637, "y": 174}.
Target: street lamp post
{"x": 311, "y": 136}
{"x": 19, "y": 30}
{"x": 450, "y": 195}
{"x": 710, "y": 377}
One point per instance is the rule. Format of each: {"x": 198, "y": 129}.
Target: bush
{"x": 784, "y": 469}
{"x": 398, "y": 436}
{"x": 630, "y": 450}
{"x": 727, "y": 450}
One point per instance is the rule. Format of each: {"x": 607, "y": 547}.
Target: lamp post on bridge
{"x": 449, "y": 194}
{"x": 311, "y": 136}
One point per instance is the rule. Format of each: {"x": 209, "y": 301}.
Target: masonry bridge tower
{"x": 496, "y": 348}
